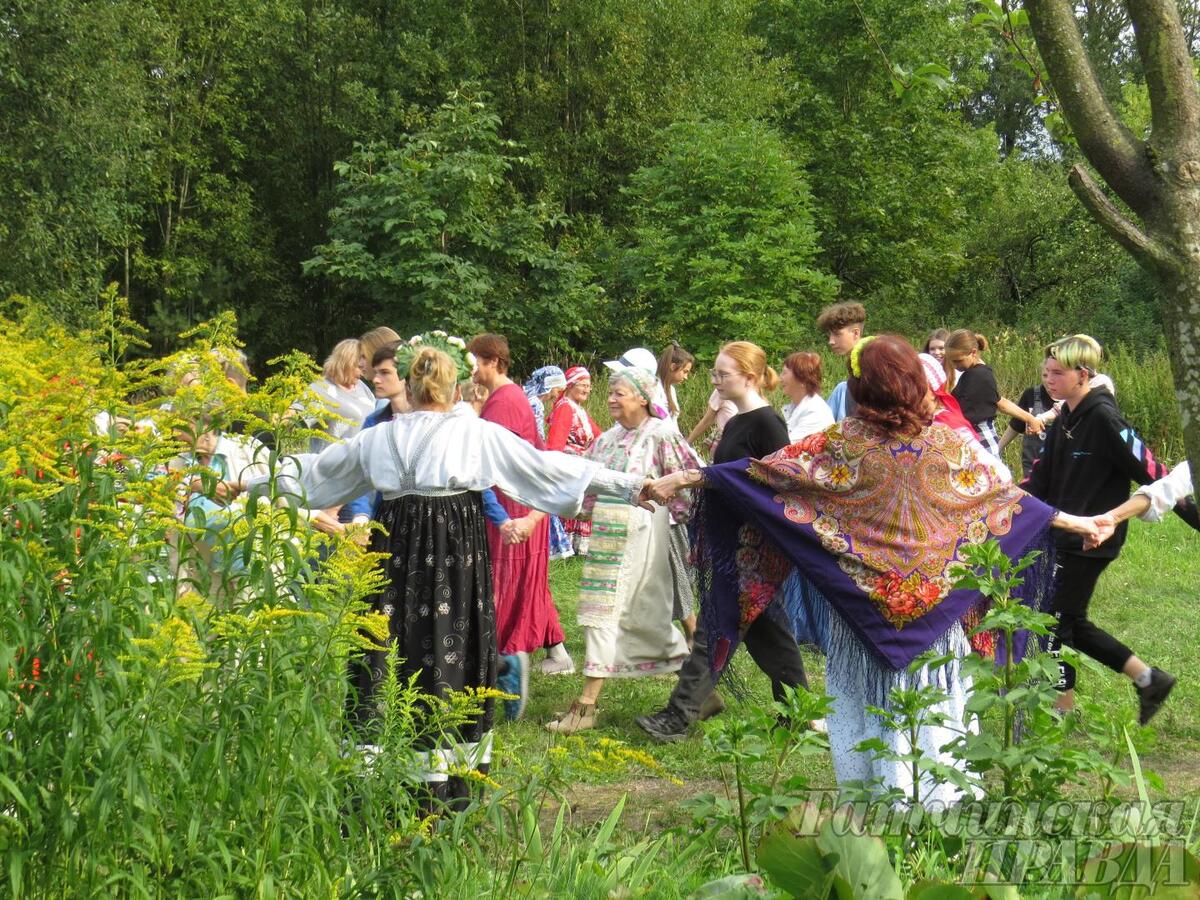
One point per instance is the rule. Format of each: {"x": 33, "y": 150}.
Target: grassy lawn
{"x": 1147, "y": 598}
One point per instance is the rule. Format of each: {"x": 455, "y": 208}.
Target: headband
{"x": 544, "y": 380}
{"x": 855, "y": 363}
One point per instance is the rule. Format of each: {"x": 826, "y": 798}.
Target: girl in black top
{"x": 973, "y": 384}
{"x": 740, "y": 374}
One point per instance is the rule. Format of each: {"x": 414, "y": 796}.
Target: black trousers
{"x": 1075, "y": 580}
{"x": 769, "y": 643}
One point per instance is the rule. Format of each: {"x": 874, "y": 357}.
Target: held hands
{"x": 516, "y": 531}
{"x": 1094, "y": 530}
{"x": 224, "y": 491}
{"x": 1034, "y": 426}
{"x": 1106, "y": 525}
{"x": 325, "y": 523}
{"x": 662, "y": 490}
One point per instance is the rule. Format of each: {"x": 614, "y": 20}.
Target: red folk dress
{"x": 526, "y": 619}
{"x": 572, "y": 431}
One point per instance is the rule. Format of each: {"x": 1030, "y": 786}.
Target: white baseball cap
{"x": 638, "y": 357}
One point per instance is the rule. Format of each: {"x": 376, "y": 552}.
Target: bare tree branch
{"x": 1118, "y": 156}
{"x": 1148, "y": 252}
{"x": 1170, "y": 78}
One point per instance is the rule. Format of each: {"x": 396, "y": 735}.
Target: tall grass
{"x": 1145, "y": 387}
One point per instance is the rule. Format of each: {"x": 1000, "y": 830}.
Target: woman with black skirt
{"x": 430, "y": 466}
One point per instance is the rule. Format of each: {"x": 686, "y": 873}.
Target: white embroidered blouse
{"x": 432, "y": 454}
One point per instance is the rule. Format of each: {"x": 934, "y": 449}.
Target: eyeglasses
{"x": 718, "y": 377}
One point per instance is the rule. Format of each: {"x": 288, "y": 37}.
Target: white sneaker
{"x": 558, "y": 661}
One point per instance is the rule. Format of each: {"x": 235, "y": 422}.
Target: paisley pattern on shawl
{"x": 896, "y": 536}
{"x": 876, "y": 523}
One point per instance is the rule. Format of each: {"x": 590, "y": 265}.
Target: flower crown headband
{"x": 855, "y": 363}
{"x": 454, "y": 347}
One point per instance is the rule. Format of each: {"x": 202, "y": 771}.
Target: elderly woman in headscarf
{"x": 544, "y": 386}
{"x": 626, "y": 594}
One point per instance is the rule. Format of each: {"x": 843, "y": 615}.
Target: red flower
{"x": 813, "y": 444}
{"x": 929, "y": 592}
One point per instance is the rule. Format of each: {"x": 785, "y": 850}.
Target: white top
{"x": 810, "y": 415}
{"x": 246, "y": 455}
{"x": 659, "y": 398}
{"x": 347, "y": 409}
{"x": 432, "y": 453}
{"x": 1166, "y": 492}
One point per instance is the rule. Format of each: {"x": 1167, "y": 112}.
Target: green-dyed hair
{"x": 1079, "y": 351}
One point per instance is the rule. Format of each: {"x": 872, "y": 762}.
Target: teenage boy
{"x": 1091, "y": 455}
{"x": 843, "y": 324}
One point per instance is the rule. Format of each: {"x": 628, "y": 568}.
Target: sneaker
{"x": 666, "y": 725}
{"x": 713, "y": 705}
{"x": 579, "y": 717}
{"x": 558, "y": 661}
{"x": 515, "y": 680}
{"x": 1154, "y": 695}
{"x": 551, "y": 666}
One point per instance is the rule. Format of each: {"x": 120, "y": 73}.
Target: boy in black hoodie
{"x": 1091, "y": 456}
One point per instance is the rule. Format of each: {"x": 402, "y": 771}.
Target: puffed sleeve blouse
{"x": 432, "y": 453}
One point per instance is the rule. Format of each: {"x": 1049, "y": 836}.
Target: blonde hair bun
{"x": 432, "y": 377}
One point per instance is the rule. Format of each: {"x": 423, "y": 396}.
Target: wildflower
{"x": 466, "y": 773}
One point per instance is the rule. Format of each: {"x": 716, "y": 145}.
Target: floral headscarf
{"x": 642, "y": 381}
{"x": 543, "y": 381}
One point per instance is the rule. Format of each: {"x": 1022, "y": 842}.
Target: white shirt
{"x": 246, "y": 456}
{"x": 659, "y": 398}
{"x": 1166, "y": 492}
{"x": 346, "y": 408}
{"x": 433, "y": 453}
{"x": 810, "y": 415}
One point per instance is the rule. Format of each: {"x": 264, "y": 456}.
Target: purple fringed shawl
{"x": 873, "y": 522}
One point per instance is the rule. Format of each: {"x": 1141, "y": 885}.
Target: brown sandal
{"x": 580, "y": 717}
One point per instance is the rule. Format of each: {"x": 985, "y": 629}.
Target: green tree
{"x": 897, "y": 181}
{"x": 431, "y": 233}
{"x": 1156, "y": 176}
{"x": 721, "y": 243}
{"x": 75, "y": 139}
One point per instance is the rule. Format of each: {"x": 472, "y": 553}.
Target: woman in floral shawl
{"x": 871, "y": 515}
{"x": 626, "y": 593}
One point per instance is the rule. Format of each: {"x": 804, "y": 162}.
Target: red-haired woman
{"x": 807, "y": 413}
{"x": 870, "y": 516}
{"x": 526, "y": 618}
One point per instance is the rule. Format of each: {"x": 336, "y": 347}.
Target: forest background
{"x": 579, "y": 174}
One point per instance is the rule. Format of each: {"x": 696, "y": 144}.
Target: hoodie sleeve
{"x": 1129, "y": 452}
